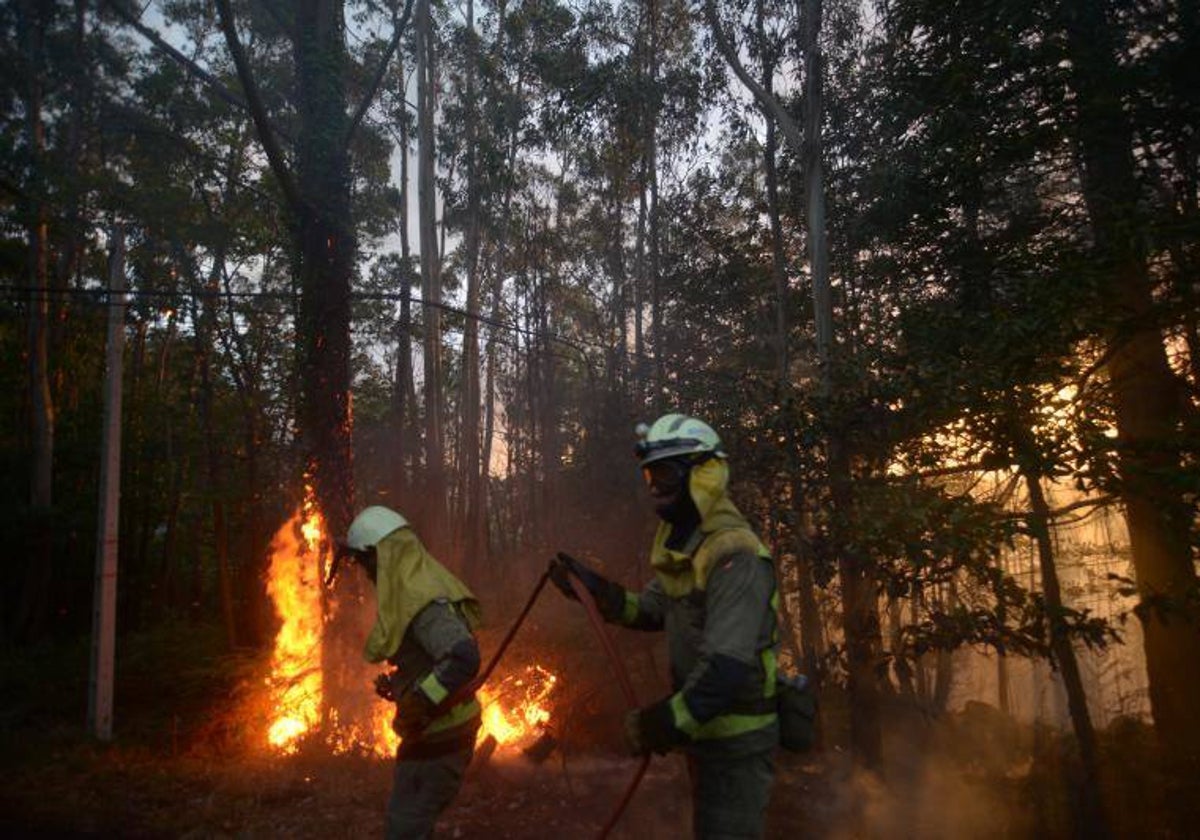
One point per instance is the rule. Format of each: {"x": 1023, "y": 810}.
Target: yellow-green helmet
{"x": 673, "y": 435}
{"x": 372, "y": 525}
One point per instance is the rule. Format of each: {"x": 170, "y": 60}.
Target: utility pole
{"x": 104, "y": 608}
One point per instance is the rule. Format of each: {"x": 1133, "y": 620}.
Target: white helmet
{"x": 673, "y": 435}
{"x": 372, "y": 525}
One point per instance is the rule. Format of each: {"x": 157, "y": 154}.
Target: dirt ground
{"x": 58, "y": 783}
{"x": 189, "y": 762}
{"x": 86, "y": 790}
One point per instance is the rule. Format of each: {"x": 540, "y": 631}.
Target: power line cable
{"x": 101, "y": 297}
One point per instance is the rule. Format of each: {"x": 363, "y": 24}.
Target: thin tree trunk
{"x": 403, "y": 389}
{"x": 810, "y": 626}
{"x": 943, "y": 679}
{"x": 1003, "y": 690}
{"x": 497, "y": 297}
{"x": 168, "y": 583}
{"x": 774, "y": 212}
{"x": 256, "y": 616}
{"x": 205, "y": 335}
{"x": 34, "y": 602}
{"x": 1090, "y": 814}
{"x": 434, "y": 491}
{"x": 471, "y": 473}
{"x": 403, "y": 393}
{"x": 859, "y": 602}
{"x": 919, "y": 664}
{"x": 655, "y": 267}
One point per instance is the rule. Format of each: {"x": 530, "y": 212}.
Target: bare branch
{"x": 769, "y": 101}
{"x": 257, "y": 110}
{"x": 1095, "y": 502}
{"x": 373, "y": 88}
{"x": 223, "y": 93}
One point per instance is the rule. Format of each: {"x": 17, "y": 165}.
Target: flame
{"x": 294, "y": 584}
{"x": 517, "y": 706}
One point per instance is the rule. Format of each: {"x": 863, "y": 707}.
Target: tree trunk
{"x": 205, "y": 336}
{"x": 859, "y": 602}
{"x": 1146, "y": 395}
{"x": 1003, "y": 688}
{"x": 434, "y": 490}
{"x": 29, "y": 621}
{"x": 497, "y": 296}
{"x": 256, "y": 615}
{"x": 403, "y": 390}
{"x": 403, "y": 394}
{"x": 810, "y": 623}
{"x": 471, "y": 473}
{"x": 1090, "y": 816}
{"x": 326, "y": 250}
{"x": 943, "y": 678}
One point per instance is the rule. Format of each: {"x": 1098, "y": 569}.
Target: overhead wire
{"x": 104, "y": 297}
{"x": 100, "y": 296}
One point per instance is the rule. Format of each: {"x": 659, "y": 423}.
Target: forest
{"x": 931, "y": 270}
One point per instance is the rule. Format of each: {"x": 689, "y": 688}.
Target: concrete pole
{"x": 104, "y": 609}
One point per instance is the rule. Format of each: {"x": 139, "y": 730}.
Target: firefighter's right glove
{"x": 610, "y": 597}
{"x": 414, "y": 711}
{"x": 652, "y": 729}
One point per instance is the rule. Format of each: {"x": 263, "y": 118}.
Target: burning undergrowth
{"x": 317, "y": 694}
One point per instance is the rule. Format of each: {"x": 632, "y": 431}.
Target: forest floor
{"x": 82, "y": 789}
{"x": 176, "y": 769}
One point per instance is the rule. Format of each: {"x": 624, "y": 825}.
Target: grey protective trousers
{"x": 421, "y": 790}
{"x": 730, "y": 795}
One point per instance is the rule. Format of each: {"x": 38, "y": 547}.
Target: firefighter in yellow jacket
{"x": 714, "y": 593}
{"x": 423, "y": 627}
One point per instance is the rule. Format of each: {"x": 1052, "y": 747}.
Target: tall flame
{"x": 294, "y": 584}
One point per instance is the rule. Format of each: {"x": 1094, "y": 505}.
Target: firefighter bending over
{"x": 714, "y": 594}
{"x": 422, "y": 627}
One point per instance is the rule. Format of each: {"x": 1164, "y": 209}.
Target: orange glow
{"x": 294, "y": 584}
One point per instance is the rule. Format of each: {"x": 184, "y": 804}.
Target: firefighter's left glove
{"x": 652, "y": 729}
{"x": 414, "y": 711}
{"x": 610, "y": 597}
{"x": 385, "y": 688}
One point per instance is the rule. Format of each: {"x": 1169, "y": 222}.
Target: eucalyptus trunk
{"x": 434, "y": 490}
{"x": 404, "y": 390}
{"x": 471, "y": 478}
{"x": 860, "y": 607}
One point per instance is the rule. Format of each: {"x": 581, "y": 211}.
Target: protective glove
{"x": 414, "y": 711}
{"x": 652, "y": 729}
{"x": 610, "y": 597}
{"x": 385, "y": 686}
